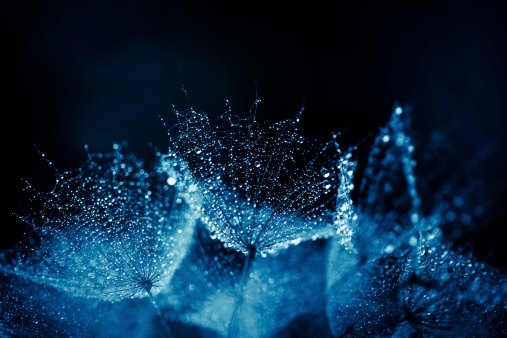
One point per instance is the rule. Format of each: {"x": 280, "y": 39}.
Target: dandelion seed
{"x": 109, "y": 230}
{"x": 360, "y": 302}
{"x": 389, "y": 206}
{"x": 263, "y": 186}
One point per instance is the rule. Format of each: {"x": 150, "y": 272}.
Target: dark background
{"x": 98, "y": 72}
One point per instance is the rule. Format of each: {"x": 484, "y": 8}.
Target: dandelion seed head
{"x": 262, "y": 185}
{"x": 109, "y": 230}
{"x": 146, "y": 284}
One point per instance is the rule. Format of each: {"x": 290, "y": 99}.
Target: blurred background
{"x": 99, "y": 72}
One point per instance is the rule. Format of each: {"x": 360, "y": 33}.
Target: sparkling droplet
{"x": 171, "y": 181}
{"x": 326, "y": 184}
{"x": 412, "y": 241}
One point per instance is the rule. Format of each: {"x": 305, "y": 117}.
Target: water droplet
{"x": 412, "y": 241}
{"x": 458, "y": 201}
{"x": 171, "y": 181}
{"x": 326, "y": 184}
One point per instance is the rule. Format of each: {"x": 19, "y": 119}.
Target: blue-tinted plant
{"x": 264, "y": 187}
{"x": 114, "y": 234}
{"x": 109, "y": 230}
{"x": 427, "y": 293}
{"x": 360, "y": 302}
{"x": 204, "y": 291}
{"x": 388, "y": 206}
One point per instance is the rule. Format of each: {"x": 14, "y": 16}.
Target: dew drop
{"x": 412, "y": 241}
{"x": 171, "y": 181}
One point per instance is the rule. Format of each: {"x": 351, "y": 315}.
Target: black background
{"x": 98, "y": 72}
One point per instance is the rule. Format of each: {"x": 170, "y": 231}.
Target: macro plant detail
{"x": 105, "y": 232}
{"x": 264, "y": 186}
{"x": 249, "y": 229}
{"x": 109, "y": 230}
{"x": 401, "y": 277}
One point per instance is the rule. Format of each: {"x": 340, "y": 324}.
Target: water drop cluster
{"x": 250, "y": 229}
{"x": 264, "y": 186}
